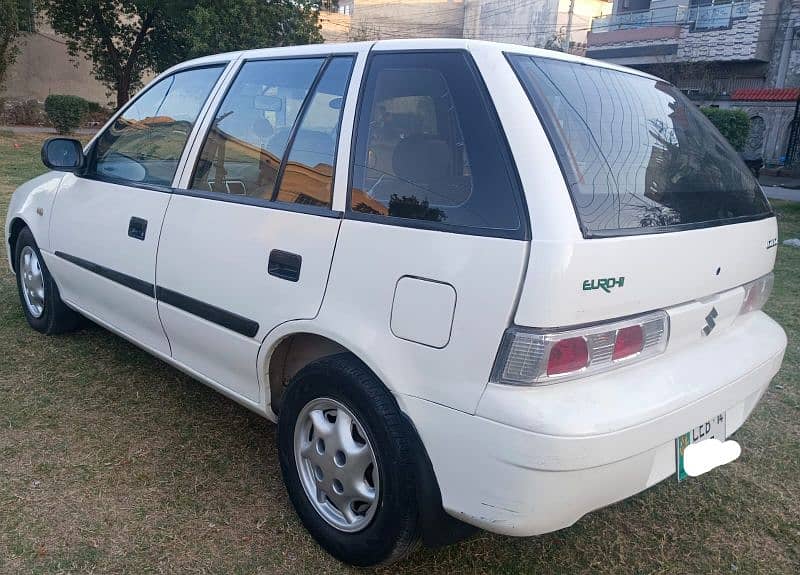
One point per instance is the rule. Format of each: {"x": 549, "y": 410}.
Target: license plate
{"x": 713, "y": 428}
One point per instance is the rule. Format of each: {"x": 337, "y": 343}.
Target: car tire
{"x": 38, "y": 292}
{"x": 337, "y": 388}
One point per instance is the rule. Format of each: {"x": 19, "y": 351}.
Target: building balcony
{"x": 683, "y": 31}
{"x": 711, "y": 17}
{"x": 658, "y": 17}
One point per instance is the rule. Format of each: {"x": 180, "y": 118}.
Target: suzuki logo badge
{"x": 710, "y": 323}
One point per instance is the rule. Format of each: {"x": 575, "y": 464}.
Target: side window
{"x": 243, "y": 151}
{"x": 145, "y": 143}
{"x": 308, "y": 175}
{"x": 429, "y": 148}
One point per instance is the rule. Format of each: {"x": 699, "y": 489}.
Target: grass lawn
{"x": 113, "y": 462}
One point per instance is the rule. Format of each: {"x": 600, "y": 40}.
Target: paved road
{"x": 777, "y": 193}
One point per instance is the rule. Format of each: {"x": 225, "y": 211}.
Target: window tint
{"x": 427, "y": 146}
{"x": 145, "y": 143}
{"x": 638, "y": 155}
{"x": 243, "y": 151}
{"x": 308, "y": 175}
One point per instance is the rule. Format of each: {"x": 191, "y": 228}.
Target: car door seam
{"x": 155, "y": 273}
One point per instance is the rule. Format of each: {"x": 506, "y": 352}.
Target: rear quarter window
{"x": 429, "y": 151}
{"x": 639, "y": 157}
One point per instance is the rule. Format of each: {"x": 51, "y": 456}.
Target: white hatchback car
{"x": 475, "y": 284}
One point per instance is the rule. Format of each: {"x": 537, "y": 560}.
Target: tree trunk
{"x": 124, "y": 78}
{"x": 123, "y": 89}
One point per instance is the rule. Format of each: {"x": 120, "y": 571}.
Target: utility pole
{"x": 568, "y": 35}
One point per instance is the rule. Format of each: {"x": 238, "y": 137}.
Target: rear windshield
{"x": 639, "y": 156}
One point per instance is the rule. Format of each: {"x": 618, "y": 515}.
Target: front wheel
{"x": 38, "y": 293}
{"x": 347, "y": 461}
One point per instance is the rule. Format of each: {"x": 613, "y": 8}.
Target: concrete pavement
{"x": 778, "y": 193}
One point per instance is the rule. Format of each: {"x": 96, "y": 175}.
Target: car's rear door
{"x": 247, "y": 241}
{"x": 106, "y": 221}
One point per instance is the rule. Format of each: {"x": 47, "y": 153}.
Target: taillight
{"x": 629, "y": 341}
{"x": 568, "y": 355}
{"x": 756, "y": 293}
{"x": 536, "y": 357}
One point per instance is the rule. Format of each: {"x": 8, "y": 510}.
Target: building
{"x": 532, "y": 23}
{"x": 529, "y": 22}
{"x": 43, "y": 67}
{"x": 540, "y": 23}
{"x": 734, "y": 53}
{"x": 355, "y": 20}
{"x": 583, "y": 12}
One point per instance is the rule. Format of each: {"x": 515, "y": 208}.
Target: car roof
{"x": 400, "y": 44}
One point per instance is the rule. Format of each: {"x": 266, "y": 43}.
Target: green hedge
{"x": 65, "y": 112}
{"x": 733, "y": 124}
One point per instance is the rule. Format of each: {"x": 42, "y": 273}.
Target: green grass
{"x": 113, "y": 462}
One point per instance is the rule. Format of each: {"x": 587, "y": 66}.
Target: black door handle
{"x": 284, "y": 265}
{"x": 137, "y": 228}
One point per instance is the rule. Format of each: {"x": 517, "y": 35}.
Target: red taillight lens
{"x": 630, "y": 341}
{"x": 568, "y": 355}
{"x": 538, "y": 357}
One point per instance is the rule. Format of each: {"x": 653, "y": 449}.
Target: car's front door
{"x": 248, "y": 244}
{"x": 106, "y": 221}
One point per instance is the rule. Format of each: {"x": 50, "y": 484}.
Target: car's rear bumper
{"x": 523, "y": 479}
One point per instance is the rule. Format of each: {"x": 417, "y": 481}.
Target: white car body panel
{"x": 426, "y": 310}
{"x": 456, "y": 374}
{"x": 251, "y": 405}
{"x": 27, "y": 201}
{"x": 659, "y": 270}
{"x": 527, "y": 483}
{"x": 550, "y": 210}
{"x": 216, "y": 252}
{"x": 90, "y": 221}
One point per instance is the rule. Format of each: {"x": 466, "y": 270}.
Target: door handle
{"x": 284, "y": 265}
{"x": 137, "y": 228}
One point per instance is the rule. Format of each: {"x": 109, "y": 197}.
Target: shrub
{"x": 733, "y": 124}
{"x": 93, "y": 107}
{"x": 21, "y": 113}
{"x": 96, "y": 115}
{"x": 65, "y": 112}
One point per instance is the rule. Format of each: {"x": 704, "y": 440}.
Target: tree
{"x": 224, "y": 25}
{"x": 733, "y": 124}
{"x": 125, "y": 38}
{"x": 362, "y": 31}
{"x": 9, "y": 30}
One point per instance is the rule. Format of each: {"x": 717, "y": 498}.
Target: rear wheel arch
{"x": 293, "y": 353}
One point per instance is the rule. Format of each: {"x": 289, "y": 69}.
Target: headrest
{"x": 422, "y": 159}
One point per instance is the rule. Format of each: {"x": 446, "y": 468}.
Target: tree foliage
{"x": 125, "y": 38}
{"x": 222, "y": 26}
{"x": 65, "y": 112}
{"x": 9, "y": 30}
{"x": 733, "y": 124}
